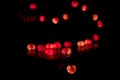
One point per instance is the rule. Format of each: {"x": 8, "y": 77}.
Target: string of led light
{"x": 68, "y": 44}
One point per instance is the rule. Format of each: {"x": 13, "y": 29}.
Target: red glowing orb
{"x": 57, "y": 45}
{"x": 88, "y": 41}
{"x": 32, "y": 6}
{"x": 67, "y": 44}
{"x": 55, "y": 20}
{"x": 66, "y": 51}
{"x": 95, "y": 37}
{"x": 65, "y": 17}
{"x": 100, "y": 24}
{"x": 50, "y": 52}
{"x": 42, "y": 18}
{"x": 84, "y": 8}
{"x": 74, "y": 4}
{"x": 31, "y": 46}
{"x": 71, "y": 69}
{"x": 41, "y": 48}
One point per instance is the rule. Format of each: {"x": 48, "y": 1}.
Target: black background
{"x": 90, "y": 65}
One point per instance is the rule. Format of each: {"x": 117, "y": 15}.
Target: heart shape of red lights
{"x": 51, "y": 49}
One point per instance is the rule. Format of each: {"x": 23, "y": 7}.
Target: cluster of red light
{"x": 56, "y": 48}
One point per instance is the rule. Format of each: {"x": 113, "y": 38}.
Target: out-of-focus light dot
{"x": 66, "y": 51}
{"x": 94, "y": 17}
{"x": 88, "y": 47}
{"x": 88, "y": 41}
{"x": 33, "y": 18}
{"x": 50, "y": 52}
{"x": 42, "y": 18}
{"x": 84, "y": 8}
{"x": 96, "y": 45}
{"x": 80, "y": 43}
{"x": 41, "y": 48}
{"x": 71, "y": 69}
{"x": 82, "y": 48}
{"x": 67, "y": 44}
{"x": 74, "y": 4}
{"x": 55, "y": 20}
{"x": 100, "y": 24}
{"x": 31, "y": 46}
{"x": 32, "y": 6}
{"x": 57, "y": 45}
{"x": 49, "y": 46}
{"x": 65, "y": 16}
{"x": 95, "y": 37}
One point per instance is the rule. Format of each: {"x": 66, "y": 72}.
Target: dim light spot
{"x": 31, "y": 46}
{"x": 71, "y": 69}
{"x": 66, "y": 51}
{"x": 42, "y": 18}
{"x": 57, "y": 45}
{"x": 88, "y": 47}
{"x": 74, "y": 4}
{"x": 41, "y": 48}
{"x": 88, "y": 41}
{"x": 95, "y": 37}
{"x": 84, "y": 8}
{"x": 80, "y": 43}
{"x": 65, "y": 16}
{"x": 55, "y": 20}
{"x": 82, "y": 48}
{"x": 33, "y": 18}
{"x": 100, "y": 24}
{"x": 32, "y": 6}
{"x": 67, "y": 44}
{"x": 94, "y": 17}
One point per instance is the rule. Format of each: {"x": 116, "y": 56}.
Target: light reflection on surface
{"x": 57, "y": 54}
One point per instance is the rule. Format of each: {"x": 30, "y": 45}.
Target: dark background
{"x": 90, "y": 65}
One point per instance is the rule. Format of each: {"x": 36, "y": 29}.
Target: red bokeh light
{"x": 84, "y": 8}
{"x": 42, "y": 18}
{"x": 80, "y": 43}
{"x": 32, "y": 6}
{"x": 31, "y": 46}
{"x": 95, "y": 37}
{"x": 49, "y": 46}
{"x": 50, "y": 52}
{"x": 66, "y": 51}
{"x": 65, "y": 16}
{"x": 41, "y": 48}
{"x": 71, "y": 69}
{"x": 100, "y": 24}
{"x": 74, "y": 4}
{"x": 67, "y": 44}
{"x": 88, "y": 41}
{"x": 57, "y": 45}
{"x": 55, "y": 20}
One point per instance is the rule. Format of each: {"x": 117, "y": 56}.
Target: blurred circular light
{"x": 32, "y": 6}
{"x": 55, "y": 20}
{"x": 74, "y": 4}
{"x": 66, "y": 51}
{"x": 42, "y": 18}
{"x": 71, "y": 69}
{"x": 80, "y": 43}
{"x": 41, "y": 48}
{"x": 94, "y": 17}
{"x": 67, "y": 44}
{"x": 100, "y": 24}
{"x": 65, "y": 16}
{"x": 31, "y": 46}
{"x": 57, "y": 45}
{"x": 49, "y": 46}
{"x": 88, "y": 41}
{"x": 84, "y": 8}
{"x": 95, "y": 37}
